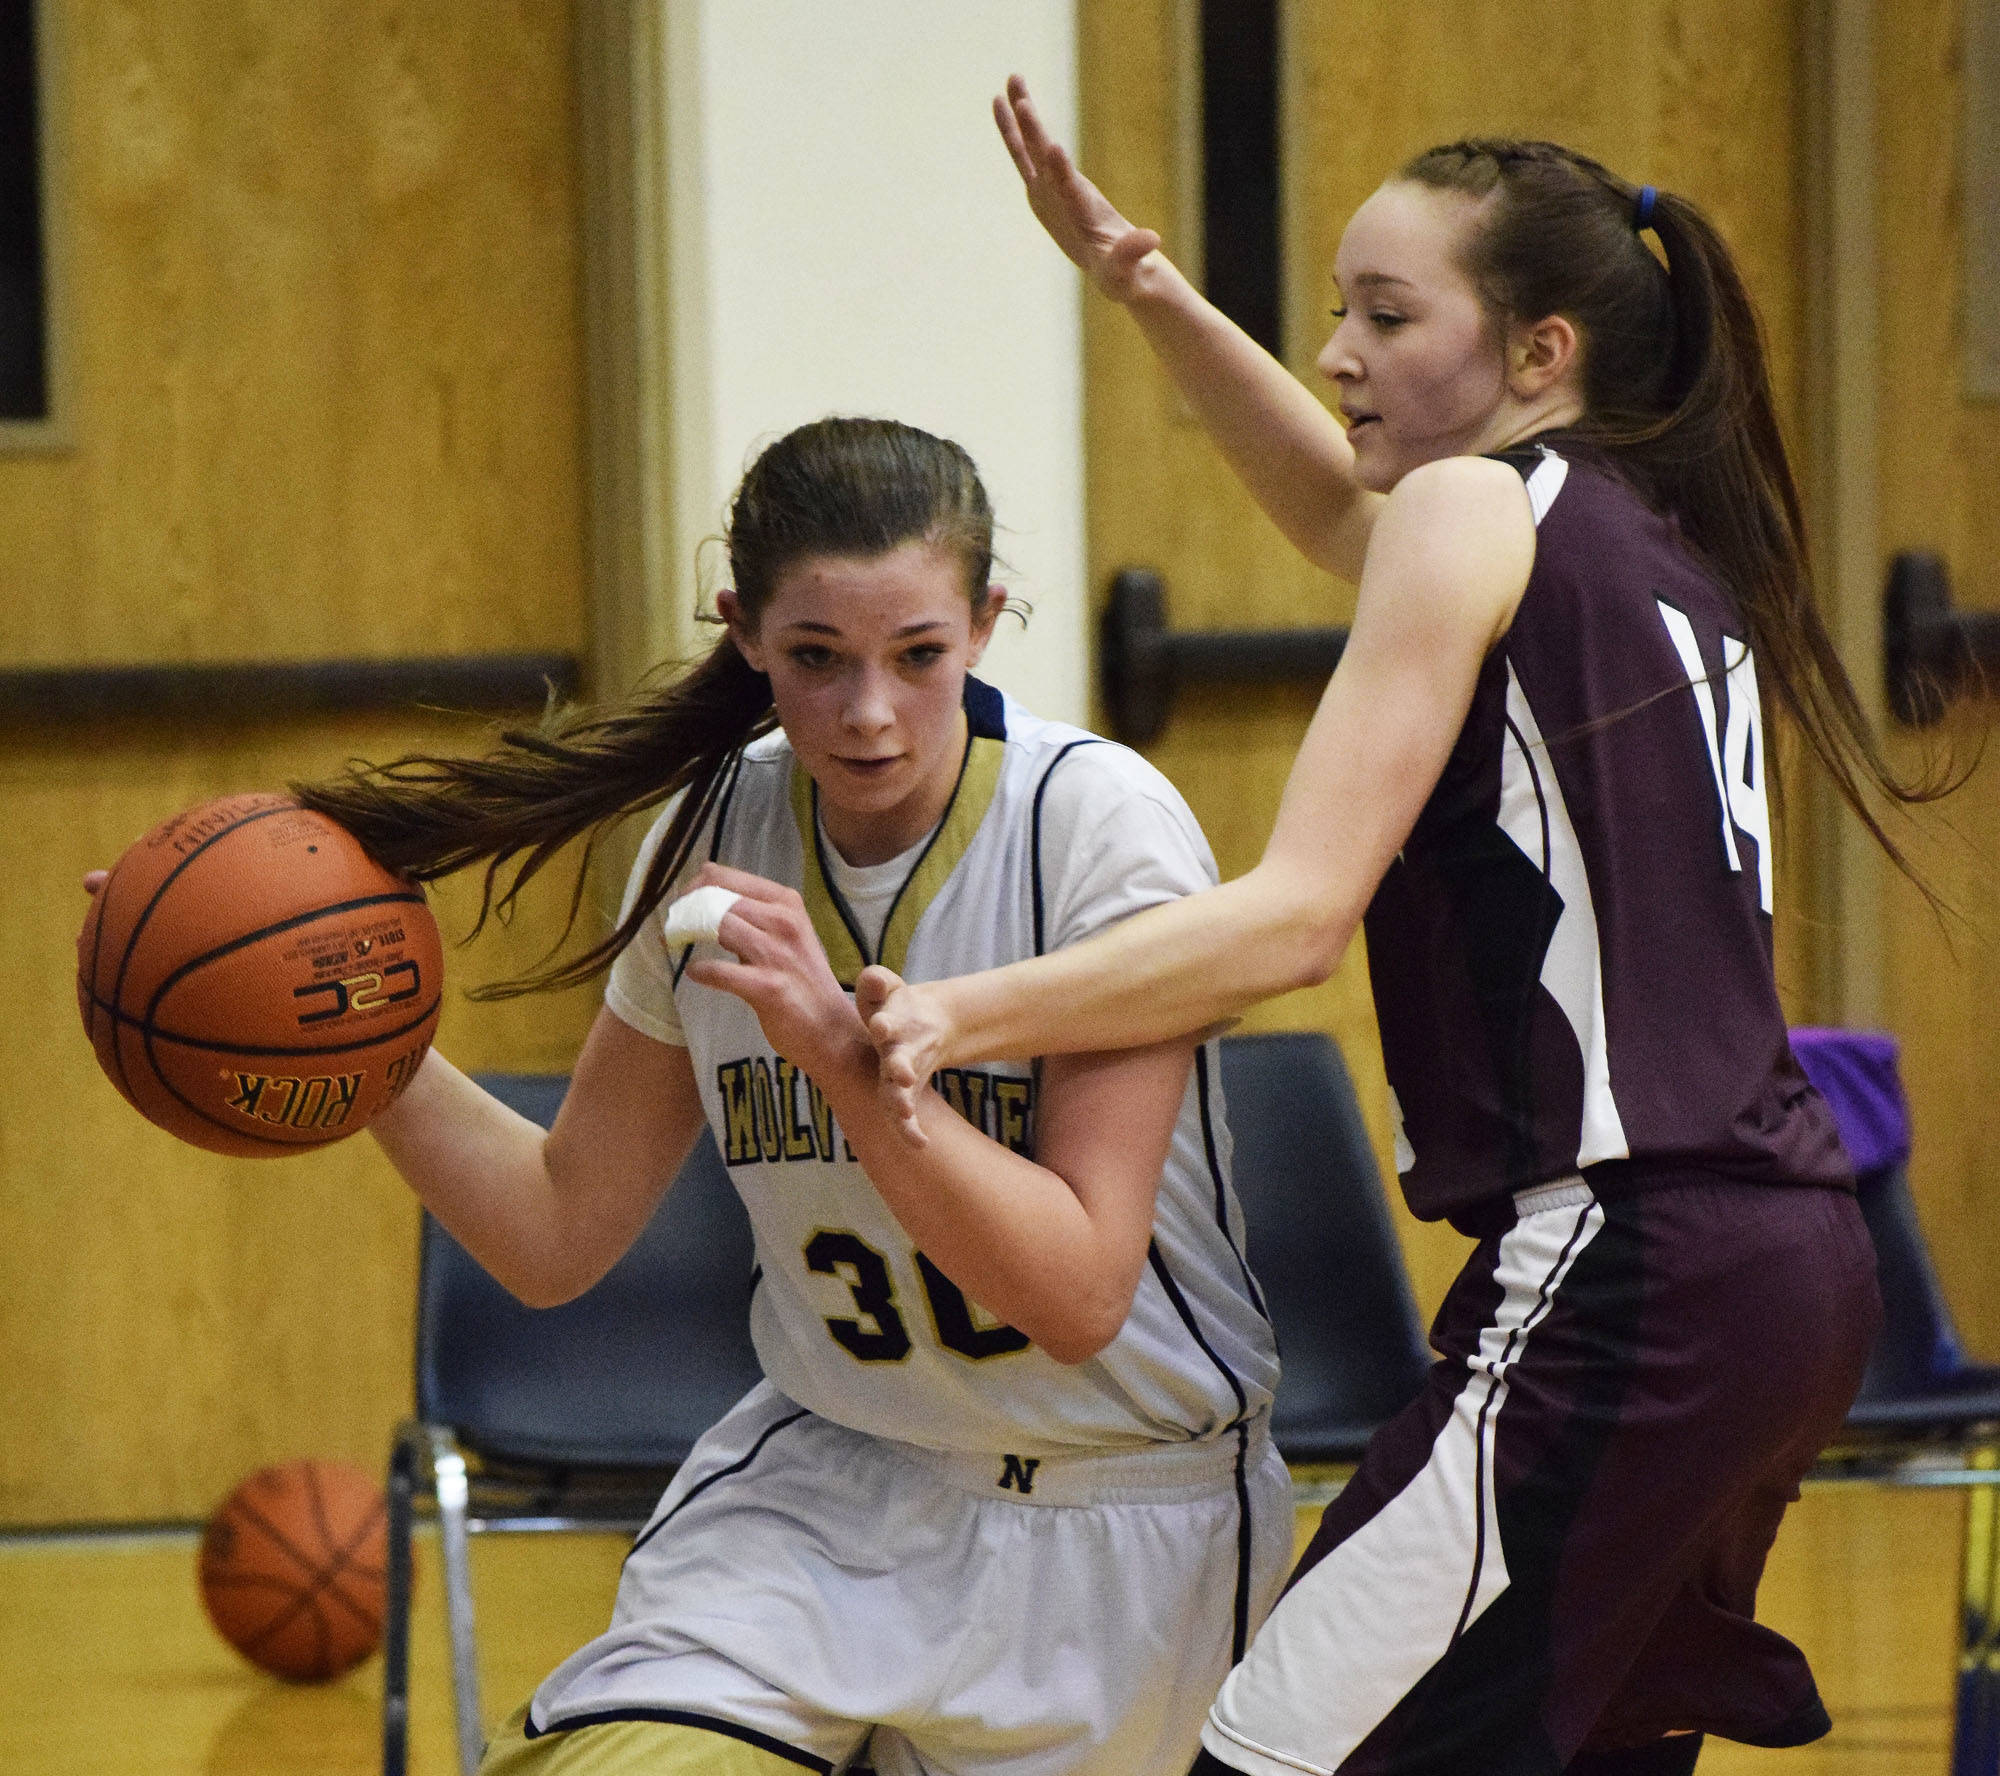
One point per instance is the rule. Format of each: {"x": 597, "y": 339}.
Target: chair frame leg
{"x": 404, "y": 1455}
{"x": 451, "y": 1487}
{"x": 1975, "y": 1739}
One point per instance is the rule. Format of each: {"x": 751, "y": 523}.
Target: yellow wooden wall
{"x": 1939, "y": 458}
{"x": 326, "y": 374}
{"x": 1695, "y": 95}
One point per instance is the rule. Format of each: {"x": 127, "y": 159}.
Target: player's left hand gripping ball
{"x": 254, "y": 982}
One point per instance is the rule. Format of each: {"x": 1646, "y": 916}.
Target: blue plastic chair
{"x": 1321, "y": 1246}
{"x": 569, "y": 1417}
{"x": 1927, "y": 1415}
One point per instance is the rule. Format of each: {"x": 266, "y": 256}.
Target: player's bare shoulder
{"x": 1478, "y": 496}
{"x": 1455, "y": 537}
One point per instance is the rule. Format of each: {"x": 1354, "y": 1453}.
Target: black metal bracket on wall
{"x": 1141, "y": 662}
{"x": 1930, "y": 651}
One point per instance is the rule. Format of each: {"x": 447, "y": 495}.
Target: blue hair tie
{"x": 1642, "y": 210}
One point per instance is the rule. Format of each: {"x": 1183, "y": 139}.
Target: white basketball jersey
{"x": 1052, "y": 834}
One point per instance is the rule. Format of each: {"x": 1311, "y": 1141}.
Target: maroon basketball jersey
{"x": 1571, "y": 956}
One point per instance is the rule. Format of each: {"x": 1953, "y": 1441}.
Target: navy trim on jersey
{"x": 714, "y": 847}
{"x": 861, "y": 944}
{"x": 1221, "y": 1189}
{"x": 683, "y": 1717}
{"x": 722, "y": 806}
{"x": 872, "y": 953}
{"x": 1186, "y": 1313}
{"x": 695, "y": 1491}
{"x": 1240, "y": 1636}
{"x": 973, "y": 717}
{"x": 985, "y": 710}
{"x": 1035, "y": 834}
{"x": 1153, "y": 1254}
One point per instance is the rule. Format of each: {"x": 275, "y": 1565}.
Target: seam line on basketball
{"x": 278, "y": 930}
{"x": 139, "y": 924}
{"x": 321, "y": 1578}
{"x": 147, "y": 1027}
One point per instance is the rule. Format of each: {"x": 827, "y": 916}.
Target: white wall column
{"x": 845, "y": 234}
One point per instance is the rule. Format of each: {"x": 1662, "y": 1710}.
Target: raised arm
{"x": 1053, "y": 1245}
{"x": 548, "y": 1214}
{"x": 1287, "y": 449}
{"x": 1445, "y": 569}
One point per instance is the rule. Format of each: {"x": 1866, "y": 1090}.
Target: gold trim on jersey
{"x": 971, "y": 797}
{"x": 635, "y": 1748}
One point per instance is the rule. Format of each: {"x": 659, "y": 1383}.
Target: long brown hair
{"x": 841, "y": 487}
{"x": 1676, "y": 393}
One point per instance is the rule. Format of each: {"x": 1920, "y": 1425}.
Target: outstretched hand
{"x": 908, "y": 1034}
{"x": 1079, "y": 218}
{"x": 781, "y": 972}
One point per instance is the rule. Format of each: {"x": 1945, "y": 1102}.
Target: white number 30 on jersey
{"x": 1737, "y": 755}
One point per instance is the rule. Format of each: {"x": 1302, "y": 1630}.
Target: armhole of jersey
{"x": 1202, "y": 1093}
{"x": 1035, "y": 839}
{"x": 714, "y": 845}
{"x": 1157, "y": 1260}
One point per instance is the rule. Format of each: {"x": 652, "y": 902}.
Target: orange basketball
{"x": 293, "y": 1568}
{"x": 254, "y": 982}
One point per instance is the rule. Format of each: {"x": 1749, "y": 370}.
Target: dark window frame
{"x": 1241, "y": 46}
{"x": 49, "y": 431}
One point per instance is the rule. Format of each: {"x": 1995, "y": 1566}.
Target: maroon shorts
{"x": 1557, "y": 1546}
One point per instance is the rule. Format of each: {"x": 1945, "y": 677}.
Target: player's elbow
{"x": 538, "y": 1290}
{"x": 549, "y": 1281}
{"x": 1085, "y": 1325}
{"x": 1303, "y": 939}
{"x": 1318, "y": 955}
{"x": 1072, "y": 1346}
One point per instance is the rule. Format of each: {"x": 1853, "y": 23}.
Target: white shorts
{"x": 803, "y": 1586}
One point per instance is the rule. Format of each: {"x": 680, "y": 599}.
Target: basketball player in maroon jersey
{"x": 1540, "y": 773}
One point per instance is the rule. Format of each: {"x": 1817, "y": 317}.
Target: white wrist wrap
{"x": 697, "y": 916}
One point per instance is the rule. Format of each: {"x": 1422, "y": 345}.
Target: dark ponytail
{"x": 577, "y": 775}
{"x": 1676, "y": 392}
{"x": 841, "y": 487}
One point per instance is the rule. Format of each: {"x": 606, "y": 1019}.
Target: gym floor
{"x": 108, "y": 1667}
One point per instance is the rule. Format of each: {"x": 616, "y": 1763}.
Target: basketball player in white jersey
{"x": 1006, "y": 1501}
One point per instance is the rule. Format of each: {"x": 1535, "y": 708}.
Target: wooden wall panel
{"x": 1940, "y": 490}
{"x": 324, "y": 338}
{"x": 173, "y": 1318}
{"x": 1160, "y": 496}
{"x": 327, "y": 379}
{"x": 1694, "y": 95}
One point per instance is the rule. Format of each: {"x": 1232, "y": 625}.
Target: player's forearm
{"x": 1009, "y": 1232}
{"x": 481, "y": 1170}
{"x": 1172, "y": 970}
{"x": 1288, "y": 450}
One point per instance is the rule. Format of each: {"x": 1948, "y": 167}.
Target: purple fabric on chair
{"x": 1855, "y": 1071}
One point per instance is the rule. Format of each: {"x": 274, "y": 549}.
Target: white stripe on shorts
{"x": 1355, "y": 1634}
